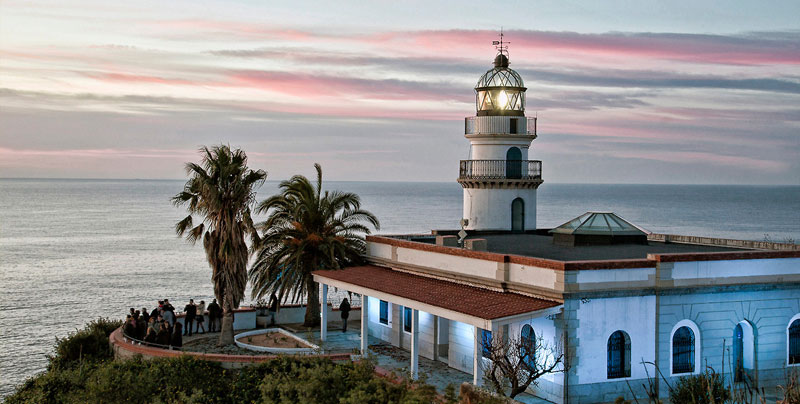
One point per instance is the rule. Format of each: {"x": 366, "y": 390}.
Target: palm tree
{"x": 307, "y": 230}
{"x": 221, "y": 190}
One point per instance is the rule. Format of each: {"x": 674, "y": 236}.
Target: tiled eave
{"x": 470, "y": 304}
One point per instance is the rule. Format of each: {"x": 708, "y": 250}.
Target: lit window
{"x": 794, "y": 342}
{"x": 406, "y": 319}
{"x": 619, "y": 355}
{"x": 486, "y": 342}
{"x": 528, "y": 351}
{"x": 683, "y": 351}
{"x": 384, "y": 315}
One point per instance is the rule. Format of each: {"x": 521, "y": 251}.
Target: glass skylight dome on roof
{"x": 600, "y": 223}
{"x": 500, "y": 91}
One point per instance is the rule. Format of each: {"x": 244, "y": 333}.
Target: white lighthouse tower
{"x": 499, "y": 180}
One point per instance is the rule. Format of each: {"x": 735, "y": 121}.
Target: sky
{"x": 690, "y": 92}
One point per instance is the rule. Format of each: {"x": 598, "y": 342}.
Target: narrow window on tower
{"x": 513, "y": 126}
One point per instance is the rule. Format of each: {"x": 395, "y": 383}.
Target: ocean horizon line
{"x": 399, "y": 182}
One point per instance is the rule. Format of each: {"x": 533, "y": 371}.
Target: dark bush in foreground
{"x": 82, "y": 370}
{"x": 132, "y": 381}
{"x": 187, "y": 380}
{"x": 87, "y": 345}
{"x": 318, "y": 380}
{"x": 706, "y": 388}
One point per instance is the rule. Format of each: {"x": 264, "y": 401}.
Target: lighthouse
{"x": 499, "y": 179}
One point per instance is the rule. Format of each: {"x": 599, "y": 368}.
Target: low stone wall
{"x": 126, "y": 349}
{"x": 713, "y": 241}
{"x": 244, "y": 318}
{"x": 295, "y": 313}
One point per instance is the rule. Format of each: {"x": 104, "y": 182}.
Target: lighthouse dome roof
{"x": 500, "y": 75}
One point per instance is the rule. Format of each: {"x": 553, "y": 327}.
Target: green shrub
{"x": 87, "y": 345}
{"x": 319, "y": 380}
{"x": 244, "y": 388}
{"x": 706, "y": 388}
{"x": 138, "y": 380}
{"x": 82, "y": 370}
{"x": 55, "y": 386}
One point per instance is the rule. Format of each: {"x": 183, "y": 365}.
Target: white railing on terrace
{"x": 500, "y": 125}
{"x": 500, "y": 169}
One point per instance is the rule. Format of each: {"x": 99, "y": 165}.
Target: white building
{"x": 620, "y": 301}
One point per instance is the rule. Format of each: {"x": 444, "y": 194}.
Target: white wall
{"x": 496, "y": 149}
{"x": 531, "y": 275}
{"x": 379, "y": 250}
{"x": 598, "y": 319}
{"x": 394, "y": 332}
{"x": 716, "y": 315}
{"x": 447, "y": 262}
{"x": 614, "y": 275}
{"x": 542, "y": 327}
{"x": 461, "y": 348}
{"x": 426, "y": 342}
{"x": 721, "y": 269}
{"x": 376, "y": 329}
{"x": 490, "y": 209}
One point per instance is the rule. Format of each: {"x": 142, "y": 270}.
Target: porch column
{"x": 414, "y": 344}
{"x": 323, "y": 301}
{"x": 477, "y": 358}
{"x": 364, "y": 324}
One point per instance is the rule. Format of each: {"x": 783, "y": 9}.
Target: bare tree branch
{"x": 516, "y": 363}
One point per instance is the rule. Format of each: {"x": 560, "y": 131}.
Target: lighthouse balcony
{"x": 500, "y": 125}
{"x": 500, "y": 170}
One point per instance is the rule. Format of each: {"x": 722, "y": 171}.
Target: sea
{"x": 75, "y": 250}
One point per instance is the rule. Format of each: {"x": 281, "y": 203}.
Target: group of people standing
{"x": 161, "y": 327}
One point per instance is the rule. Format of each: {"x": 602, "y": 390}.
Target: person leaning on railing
{"x": 130, "y": 326}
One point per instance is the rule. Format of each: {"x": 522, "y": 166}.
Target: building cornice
{"x": 468, "y": 183}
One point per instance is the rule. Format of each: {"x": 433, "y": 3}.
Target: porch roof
{"x": 480, "y": 304}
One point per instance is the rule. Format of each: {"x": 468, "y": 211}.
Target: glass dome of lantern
{"x": 500, "y": 91}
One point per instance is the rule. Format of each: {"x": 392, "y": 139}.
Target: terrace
{"x": 390, "y": 361}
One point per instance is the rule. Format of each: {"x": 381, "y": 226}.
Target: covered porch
{"x": 389, "y": 358}
{"x": 457, "y": 316}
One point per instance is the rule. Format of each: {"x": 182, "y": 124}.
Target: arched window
{"x": 738, "y": 353}
{"x": 518, "y": 215}
{"x": 528, "y": 351}
{"x": 619, "y": 355}
{"x": 514, "y": 163}
{"x": 486, "y": 343}
{"x": 683, "y": 350}
{"x": 794, "y": 342}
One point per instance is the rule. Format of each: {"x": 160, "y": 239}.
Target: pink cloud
{"x": 694, "y": 48}
{"x": 693, "y": 157}
{"x": 313, "y": 86}
{"x": 206, "y": 27}
{"x": 526, "y": 45}
{"x": 136, "y": 78}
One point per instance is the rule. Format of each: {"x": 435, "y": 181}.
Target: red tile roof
{"x": 474, "y": 301}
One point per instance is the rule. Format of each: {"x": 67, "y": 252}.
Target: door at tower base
{"x": 500, "y": 209}
{"x": 518, "y": 215}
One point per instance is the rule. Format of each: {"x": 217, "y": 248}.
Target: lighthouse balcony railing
{"x": 500, "y": 125}
{"x": 500, "y": 169}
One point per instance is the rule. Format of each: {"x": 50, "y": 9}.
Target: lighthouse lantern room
{"x": 499, "y": 180}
